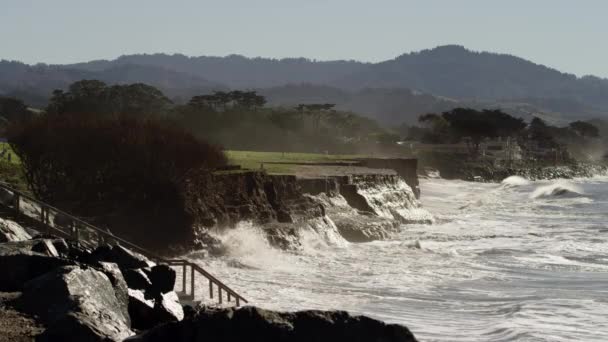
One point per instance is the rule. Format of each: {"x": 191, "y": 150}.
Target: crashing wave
{"x": 514, "y": 181}
{"x": 392, "y": 199}
{"x": 558, "y": 189}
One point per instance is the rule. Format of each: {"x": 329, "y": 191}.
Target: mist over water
{"x": 517, "y": 261}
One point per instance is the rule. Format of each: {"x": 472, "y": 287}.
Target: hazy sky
{"x": 569, "y": 35}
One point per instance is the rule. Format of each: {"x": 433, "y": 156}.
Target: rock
{"x": 137, "y": 279}
{"x": 19, "y": 264}
{"x": 6, "y": 197}
{"x": 12, "y": 231}
{"x": 124, "y": 258}
{"x": 162, "y": 278}
{"x": 168, "y": 308}
{"x": 45, "y": 246}
{"x": 146, "y": 313}
{"x": 141, "y": 310}
{"x": 227, "y": 325}
{"x": 120, "y": 286}
{"x": 75, "y": 304}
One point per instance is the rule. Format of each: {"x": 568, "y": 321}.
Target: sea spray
{"x": 393, "y": 199}
{"x": 514, "y": 181}
{"x": 560, "y": 188}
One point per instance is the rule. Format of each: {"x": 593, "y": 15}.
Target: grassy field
{"x": 13, "y": 157}
{"x": 250, "y": 160}
{"x": 253, "y": 160}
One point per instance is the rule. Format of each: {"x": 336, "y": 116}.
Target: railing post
{"x": 17, "y": 203}
{"x": 228, "y": 297}
{"x": 192, "y": 280}
{"x": 238, "y": 301}
{"x": 210, "y": 289}
{"x": 219, "y": 293}
{"x": 184, "y": 289}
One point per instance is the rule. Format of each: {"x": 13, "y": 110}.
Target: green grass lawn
{"x": 10, "y": 171}
{"x": 252, "y": 160}
{"x": 13, "y": 156}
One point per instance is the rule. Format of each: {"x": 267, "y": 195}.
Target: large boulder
{"x": 162, "y": 278}
{"x": 146, "y": 313}
{"x": 227, "y": 325}
{"x": 76, "y": 304}
{"x": 137, "y": 279}
{"x": 123, "y": 257}
{"x": 12, "y": 231}
{"x": 20, "y": 264}
{"x": 141, "y": 310}
{"x": 168, "y": 308}
{"x": 120, "y": 286}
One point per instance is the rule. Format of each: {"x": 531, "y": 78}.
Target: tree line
{"x": 474, "y": 126}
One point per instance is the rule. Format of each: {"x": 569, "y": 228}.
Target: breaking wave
{"x": 557, "y": 189}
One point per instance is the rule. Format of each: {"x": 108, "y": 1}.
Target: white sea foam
{"x": 558, "y": 188}
{"x": 514, "y": 181}
{"x": 509, "y": 268}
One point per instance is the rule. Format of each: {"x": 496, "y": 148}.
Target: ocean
{"x": 517, "y": 261}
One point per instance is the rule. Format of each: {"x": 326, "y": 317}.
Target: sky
{"x": 564, "y": 34}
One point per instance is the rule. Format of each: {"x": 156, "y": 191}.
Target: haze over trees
{"x": 393, "y": 91}
{"x": 473, "y": 127}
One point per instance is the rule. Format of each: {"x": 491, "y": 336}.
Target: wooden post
{"x": 17, "y": 203}
{"x": 192, "y": 280}
{"x": 229, "y": 297}
{"x": 184, "y": 274}
{"x": 220, "y": 294}
{"x": 210, "y": 289}
{"x": 238, "y": 301}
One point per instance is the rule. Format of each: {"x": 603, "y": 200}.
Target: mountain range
{"x": 392, "y": 91}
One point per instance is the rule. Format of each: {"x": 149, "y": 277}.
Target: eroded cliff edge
{"x": 358, "y": 204}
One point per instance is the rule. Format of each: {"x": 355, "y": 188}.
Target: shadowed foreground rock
{"x": 11, "y": 231}
{"x": 76, "y": 304}
{"x": 20, "y": 264}
{"x": 251, "y": 323}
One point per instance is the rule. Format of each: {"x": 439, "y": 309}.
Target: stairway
{"x": 41, "y": 217}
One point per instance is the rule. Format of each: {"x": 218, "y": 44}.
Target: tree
{"x": 92, "y": 97}
{"x": 13, "y": 110}
{"x": 584, "y": 129}
{"x": 477, "y": 125}
{"x": 124, "y": 173}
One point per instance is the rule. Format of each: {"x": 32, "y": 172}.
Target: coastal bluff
{"x": 362, "y": 201}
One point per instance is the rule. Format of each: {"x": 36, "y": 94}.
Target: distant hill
{"x": 456, "y": 72}
{"x": 34, "y": 84}
{"x": 392, "y": 91}
{"x": 236, "y": 71}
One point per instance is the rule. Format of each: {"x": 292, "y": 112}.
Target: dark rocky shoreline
{"x": 486, "y": 172}
{"x": 52, "y": 289}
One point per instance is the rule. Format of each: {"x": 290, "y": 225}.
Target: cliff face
{"x": 223, "y": 200}
{"x": 356, "y": 207}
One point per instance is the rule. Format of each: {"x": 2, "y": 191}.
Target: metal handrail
{"x": 44, "y": 207}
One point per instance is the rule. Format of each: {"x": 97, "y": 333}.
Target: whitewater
{"x": 517, "y": 261}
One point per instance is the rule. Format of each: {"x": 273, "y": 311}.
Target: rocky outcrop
{"x": 20, "y": 264}
{"x": 147, "y": 313}
{"x": 227, "y": 325}
{"x": 12, "y": 231}
{"x": 76, "y": 304}
{"x": 82, "y": 295}
{"x": 123, "y": 257}
{"x": 223, "y": 200}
